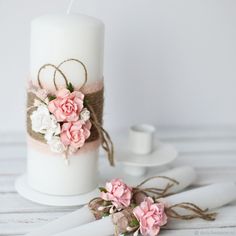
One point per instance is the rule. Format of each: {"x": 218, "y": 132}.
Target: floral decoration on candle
{"x": 66, "y": 118}
{"x": 135, "y": 210}
{"x": 62, "y": 119}
{"x": 117, "y": 195}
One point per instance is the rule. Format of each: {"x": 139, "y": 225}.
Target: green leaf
{"x": 70, "y": 87}
{"x": 134, "y": 223}
{"x": 105, "y": 214}
{"x": 51, "y": 97}
{"x": 86, "y": 101}
{"x": 102, "y": 189}
{"x": 133, "y": 205}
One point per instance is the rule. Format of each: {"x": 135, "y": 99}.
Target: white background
{"x": 168, "y": 62}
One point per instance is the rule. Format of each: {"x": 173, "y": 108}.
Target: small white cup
{"x": 141, "y": 138}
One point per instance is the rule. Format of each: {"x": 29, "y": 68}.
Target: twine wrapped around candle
{"x": 93, "y": 102}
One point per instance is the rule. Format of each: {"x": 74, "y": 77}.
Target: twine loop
{"x": 57, "y": 69}
{"x": 157, "y": 192}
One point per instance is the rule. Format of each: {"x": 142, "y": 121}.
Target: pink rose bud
{"x": 151, "y": 216}
{"x": 118, "y": 193}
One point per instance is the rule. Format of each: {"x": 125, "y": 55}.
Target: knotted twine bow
{"x": 106, "y": 141}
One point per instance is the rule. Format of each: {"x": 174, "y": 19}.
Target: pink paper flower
{"x": 74, "y": 134}
{"x": 66, "y": 106}
{"x": 151, "y": 216}
{"x": 118, "y": 193}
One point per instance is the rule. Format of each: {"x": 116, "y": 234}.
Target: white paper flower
{"x": 45, "y": 123}
{"x": 52, "y": 131}
{"x": 85, "y": 115}
{"x": 56, "y": 145}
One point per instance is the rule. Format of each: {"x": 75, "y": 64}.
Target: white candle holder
{"x": 141, "y": 138}
{"x": 143, "y": 151}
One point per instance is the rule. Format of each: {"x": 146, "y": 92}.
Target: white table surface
{"x": 211, "y": 151}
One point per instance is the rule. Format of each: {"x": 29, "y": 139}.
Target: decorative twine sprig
{"x": 171, "y": 211}
{"x": 193, "y": 212}
{"x": 160, "y": 192}
{"x": 106, "y": 141}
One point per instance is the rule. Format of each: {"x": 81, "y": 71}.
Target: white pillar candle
{"x": 184, "y": 175}
{"x": 55, "y": 38}
{"x": 211, "y": 197}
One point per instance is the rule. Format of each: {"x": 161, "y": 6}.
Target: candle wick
{"x": 69, "y": 7}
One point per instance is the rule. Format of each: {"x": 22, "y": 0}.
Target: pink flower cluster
{"x": 118, "y": 193}
{"x": 151, "y": 216}
{"x": 66, "y": 108}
